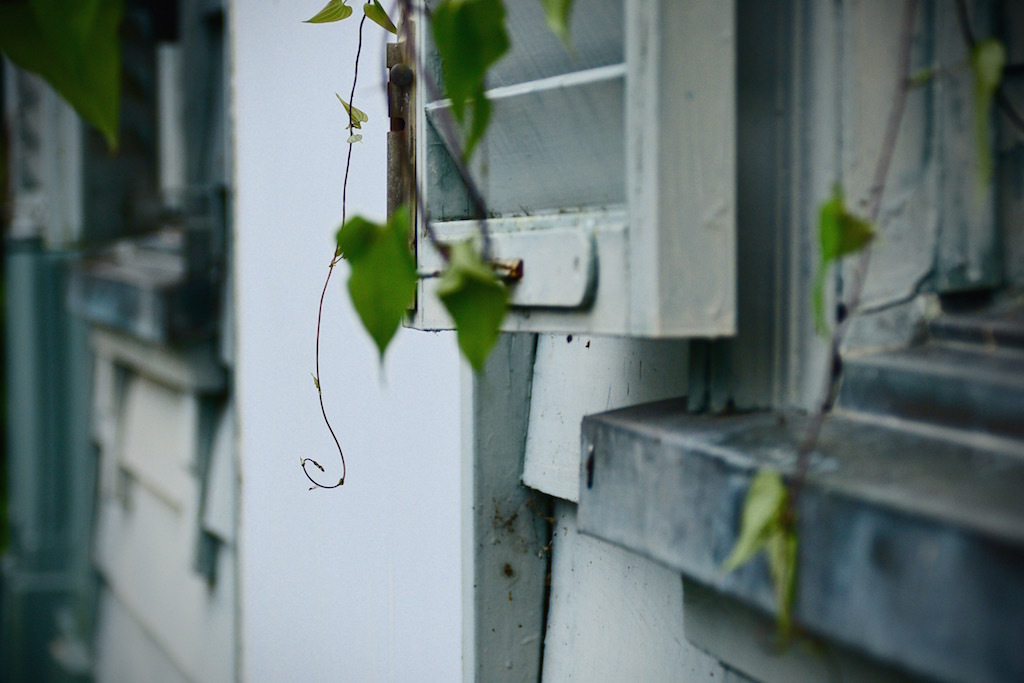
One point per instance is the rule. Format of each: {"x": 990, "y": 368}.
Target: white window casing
{"x": 610, "y": 171}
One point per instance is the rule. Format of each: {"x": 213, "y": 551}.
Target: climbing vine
{"x": 74, "y": 46}
{"x": 768, "y": 522}
{"x": 470, "y": 37}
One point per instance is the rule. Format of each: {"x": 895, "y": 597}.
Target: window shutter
{"x": 608, "y": 169}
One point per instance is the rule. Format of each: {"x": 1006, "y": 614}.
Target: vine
{"x": 769, "y": 517}
{"x": 74, "y": 46}
{"x": 470, "y": 37}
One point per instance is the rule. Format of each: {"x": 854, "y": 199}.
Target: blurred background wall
{"x": 160, "y": 310}
{"x": 360, "y": 583}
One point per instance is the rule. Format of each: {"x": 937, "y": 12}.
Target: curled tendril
{"x": 316, "y": 484}
{"x": 323, "y": 294}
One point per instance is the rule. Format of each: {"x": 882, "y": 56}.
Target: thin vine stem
{"x": 853, "y": 297}
{"x": 475, "y": 196}
{"x": 327, "y": 282}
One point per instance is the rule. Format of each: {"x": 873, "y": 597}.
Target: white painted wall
{"x": 360, "y": 583}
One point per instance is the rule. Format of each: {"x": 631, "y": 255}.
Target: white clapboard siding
{"x": 144, "y": 553}
{"x": 221, "y": 488}
{"x": 124, "y": 652}
{"x": 632, "y": 144}
{"x": 160, "y": 619}
{"x": 615, "y": 616}
{"x": 107, "y": 395}
{"x": 159, "y": 438}
{"x": 577, "y": 375}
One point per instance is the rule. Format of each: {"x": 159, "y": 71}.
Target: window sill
{"x": 911, "y": 541}
{"x": 159, "y": 289}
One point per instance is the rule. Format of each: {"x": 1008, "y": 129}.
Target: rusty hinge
{"x": 400, "y": 138}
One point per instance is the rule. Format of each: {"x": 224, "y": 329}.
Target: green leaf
{"x": 383, "y": 272}
{"x": 354, "y": 138}
{"x": 476, "y": 299}
{"x": 762, "y": 511}
{"x": 764, "y": 527}
{"x": 357, "y": 117}
{"x": 921, "y": 77}
{"x": 470, "y": 37}
{"x": 481, "y": 117}
{"x": 355, "y": 237}
{"x": 335, "y": 10}
{"x": 557, "y": 14}
{"x": 74, "y": 45}
{"x": 987, "y": 61}
{"x": 375, "y": 13}
{"x": 840, "y": 231}
{"x": 781, "y": 550}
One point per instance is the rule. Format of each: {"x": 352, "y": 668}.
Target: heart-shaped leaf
{"x": 557, "y": 14}
{"x": 383, "y": 272}
{"x": 781, "y": 549}
{"x": 481, "y": 107}
{"x": 762, "y": 509}
{"x": 375, "y": 13}
{"x": 335, "y": 10}
{"x": 476, "y": 300}
{"x": 75, "y": 47}
{"x": 840, "y": 233}
{"x": 357, "y": 117}
{"x": 470, "y": 37}
{"x": 763, "y": 526}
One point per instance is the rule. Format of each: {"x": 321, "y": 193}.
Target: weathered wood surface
{"x": 574, "y": 375}
{"x": 615, "y": 616}
{"x": 503, "y": 527}
{"x": 651, "y": 134}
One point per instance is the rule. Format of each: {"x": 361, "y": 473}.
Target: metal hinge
{"x": 401, "y": 140}
{"x": 401, "y": 158}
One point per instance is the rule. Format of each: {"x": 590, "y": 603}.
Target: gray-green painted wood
{"x": 615, "y": 616}
{"x": 1010, "y": 153}
{"x": 681, "y": 167}
{"x": 937, "y": 229}
{"x": 748, "y": 370}
{"x": 911, "y": 537}
{"x": 51, "y": 466}
{"x": 744, "y": 639}
{"x": 504, "y": 527}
